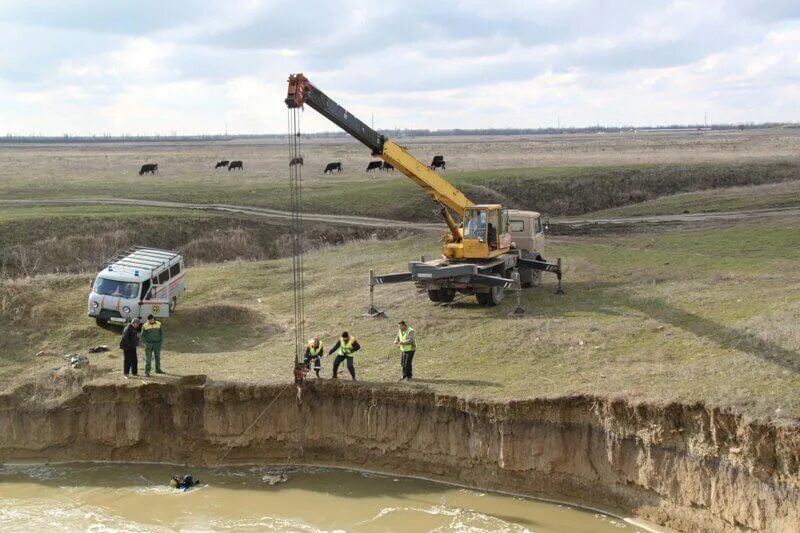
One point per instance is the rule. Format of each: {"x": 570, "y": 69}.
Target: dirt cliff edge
{"x": 689, "y": 467}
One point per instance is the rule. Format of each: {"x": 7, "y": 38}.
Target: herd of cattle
{"x": 330, "y": 168}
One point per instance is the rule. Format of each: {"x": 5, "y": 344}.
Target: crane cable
{"x": 298, "y": 288}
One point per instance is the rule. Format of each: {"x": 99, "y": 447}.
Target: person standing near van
{"x": 152, "y": 337}
{"x": 407, "y": 340}
{"x": 128, "y": 343}
{"x": 345, "y": 347}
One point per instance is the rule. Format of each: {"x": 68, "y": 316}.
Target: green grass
{"x": 768, "y": 196}
{"x": 707, "y": 315}
{"x": 186, "y": 175}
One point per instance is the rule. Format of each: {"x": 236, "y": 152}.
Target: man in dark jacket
{"x": 345, "y": 347}
{"x": 128, "y": 343}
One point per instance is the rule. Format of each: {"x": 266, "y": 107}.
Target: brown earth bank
{"x": 689, "y": 467}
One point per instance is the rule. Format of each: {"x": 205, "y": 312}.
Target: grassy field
{"x": 703, "y": 315}
{"x": 685, "y": 316}
{"x": 767, "y": 196}
{"x": 559, "y": 175}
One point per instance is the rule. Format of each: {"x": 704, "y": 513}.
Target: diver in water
{"x": 184, "y": 484}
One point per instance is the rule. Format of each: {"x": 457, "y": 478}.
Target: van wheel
{"x": 101, "y": 322}
{"x": 433, "y": 294}
{"x": 446, "y": 295}
{"x": 491, "y": 298}
{"x": 173, "y": 304}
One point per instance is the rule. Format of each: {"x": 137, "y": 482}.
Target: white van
{"x": 136, "y": 283}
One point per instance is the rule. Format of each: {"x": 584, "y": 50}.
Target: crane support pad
{"x": 533, "y": 264}
{"x": 392, "y": 278}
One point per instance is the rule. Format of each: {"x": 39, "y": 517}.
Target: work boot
{"x": 159, "y": 371}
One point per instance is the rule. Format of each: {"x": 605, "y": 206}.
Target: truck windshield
{"x": 111, "y": 287}
{"x": 475, "y": 224}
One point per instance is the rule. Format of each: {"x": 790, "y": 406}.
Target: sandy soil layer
{"x": 684, "y": 466}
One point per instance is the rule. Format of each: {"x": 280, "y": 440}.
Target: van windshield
{"x": 111, "y": 287}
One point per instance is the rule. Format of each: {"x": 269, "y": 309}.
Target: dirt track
{"x": 565, "y": 224}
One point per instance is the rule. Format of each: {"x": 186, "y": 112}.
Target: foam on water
{"x": 128, "y": 497}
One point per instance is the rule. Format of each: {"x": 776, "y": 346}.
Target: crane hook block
{"x": 298, "y": 84}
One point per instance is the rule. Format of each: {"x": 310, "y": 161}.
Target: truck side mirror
{"x": 547, "y": 224}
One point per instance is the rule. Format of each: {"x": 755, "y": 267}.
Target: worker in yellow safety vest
{"x": 407, "y": 340}
{"x": 345, "y": 347}
{"x": 314, "y": 351}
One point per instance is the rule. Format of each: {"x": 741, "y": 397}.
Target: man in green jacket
{"x": 407, "y": 339}
{"x": 152, "y": 337}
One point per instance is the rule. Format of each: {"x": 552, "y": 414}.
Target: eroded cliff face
{"x": 685, "y": 466}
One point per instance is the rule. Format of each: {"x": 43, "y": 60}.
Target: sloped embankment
{"x": 685, "y": 466}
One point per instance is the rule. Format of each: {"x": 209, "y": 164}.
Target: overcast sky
{"x": 164, "y": 66}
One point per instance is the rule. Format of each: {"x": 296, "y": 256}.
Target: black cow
{"x": 223, "y": 164}
{"x": 438, "y": 161}
{"x": 373, "y": 165}
{"x": 148, "y": 168}
{"x": 233, "y": 165}
{"x": 387, "y": 167}
{"x": 333, "y": 167}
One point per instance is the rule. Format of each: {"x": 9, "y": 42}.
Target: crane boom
{"x": 478, "y": 256}
{"x": 301, "y": 91}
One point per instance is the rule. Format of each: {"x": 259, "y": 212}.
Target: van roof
{"x": 140, "y": 262}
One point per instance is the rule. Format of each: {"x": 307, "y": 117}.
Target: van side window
{"x": 539, "y": 225}
{"x": 517, "y": 226}
{"x": 174, "y": 270}
{"x": 163, "y": 277}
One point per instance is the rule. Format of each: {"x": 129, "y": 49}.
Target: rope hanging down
{"x": 298, "y": 290}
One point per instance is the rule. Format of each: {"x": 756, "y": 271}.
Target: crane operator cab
{"x": 485, "y": 233}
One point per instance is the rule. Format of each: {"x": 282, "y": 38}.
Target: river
{"x": 135, "y": 497}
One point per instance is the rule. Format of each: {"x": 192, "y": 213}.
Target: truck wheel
{"x": 491, "y": 298}
{"x": 446, "y": 295}
{"x": 433, "y": 294}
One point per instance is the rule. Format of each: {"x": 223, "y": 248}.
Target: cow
{"x": 373, "y": 165}
{"x": 387, "y": 167}
{"x": 223, "y": 164}
{"x": 148, "y": 168}
{"x": 438, "y": 161}
{"x": 233, "y": 165}
{"x": 330, "y": 168}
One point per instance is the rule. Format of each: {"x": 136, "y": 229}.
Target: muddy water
{"x": 137, "y": 498}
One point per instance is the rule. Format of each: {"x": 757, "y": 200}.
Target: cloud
{"x": 193, "y": 66}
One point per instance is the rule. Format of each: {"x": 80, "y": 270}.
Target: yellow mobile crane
{"x": 488, "y": 248}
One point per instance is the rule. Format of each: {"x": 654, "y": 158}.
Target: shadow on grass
{"x": 723, "y": 336}
{"x": 608, "y": 298}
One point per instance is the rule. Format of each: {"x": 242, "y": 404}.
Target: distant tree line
{"x": 66, "y": 138}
